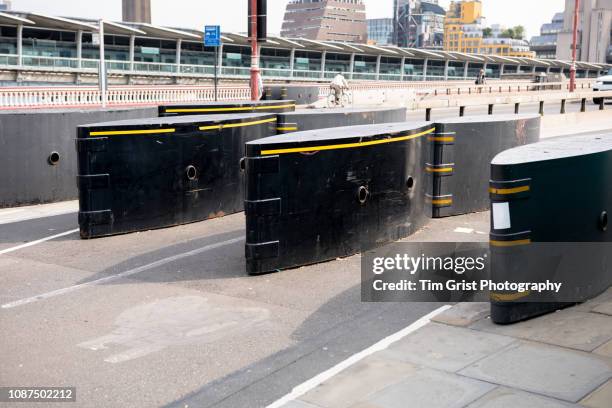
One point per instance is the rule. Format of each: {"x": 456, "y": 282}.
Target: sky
{"x": 231, "y": 14}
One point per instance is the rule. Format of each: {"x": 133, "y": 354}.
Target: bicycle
{"x": 345, "y": 100}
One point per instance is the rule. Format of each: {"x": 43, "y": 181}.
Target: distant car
{"x": 603, "y": 83}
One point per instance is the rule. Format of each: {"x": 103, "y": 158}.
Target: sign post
{"x": 102, "y": 65}
{"x": 212, "y": 38}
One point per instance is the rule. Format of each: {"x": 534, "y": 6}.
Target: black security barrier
{"x": 38, "y": 162}
{"x": 459, "y": 157}
{"x": 549, "y": 221}
{"x": 143, "y": 174}
{"x": 316, "y": 195}
{"x": 226, "y": 107}
{"x": 311, "y": 119}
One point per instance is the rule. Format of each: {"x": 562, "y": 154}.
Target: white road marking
{"x": 355, "y": 358}
{"x": 125, "y": 274}
{"x": 38, "y": 241}
{"x": 464, "y": 230}
{"x": 11, "y": 215}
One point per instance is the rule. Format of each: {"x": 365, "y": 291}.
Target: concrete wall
{"x": 27, "y": 138}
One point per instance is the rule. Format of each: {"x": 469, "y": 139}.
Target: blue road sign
{"x": 212, "y": 36}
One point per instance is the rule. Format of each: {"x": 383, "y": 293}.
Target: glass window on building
{"x": 194, "y": 53}
{"x": 455, "y": 69}
{"x": 580, "y": 73}
{"x": 390, "y": 68}
{"x": 413, "y": 70}
{"x": 335, "y": 63}
{"x": 307, "y": 61}
{"x": 523, "y": 69}
{"x": 49, "y": 43}
{"x": 8, "y": 40}
{"x": 474, "y": 69}
{"x": 510, "y": 69}
{"x": 364, "y": 67}
{"x": 236, "y": 60}
{"x": 275, "y": 62}
{"x": 493, "y": 71}
{"x": 435, "y": 70}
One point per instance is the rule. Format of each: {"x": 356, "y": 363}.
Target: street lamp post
{"x": 254, "y": 52}
{"x": 574, "y": 46}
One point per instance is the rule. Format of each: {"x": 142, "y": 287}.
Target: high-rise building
{"x": 330, "y": 20}
{"x": 545, "y": 44}
{"x": 594, "y": 31}
{"x": 138, "y": 11}
{"x": 5, "y": 5}
{"x": 464, "y": 32}
{"x": 380, "y": 31}
{"x": 418, "y": 23}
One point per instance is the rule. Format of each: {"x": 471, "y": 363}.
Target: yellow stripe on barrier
{"x": 510, "y": 243}
{"x": 347, "y": 145}
{"x": 235, "y": 109}
{"x": 509, "y": 296}
{"x": 441, "y": 139}
{"x": 131, "y": 132}
{"x": 447, "y": 201}
{"x": 439, "y": 170}
{"x": 235, "y": 125}
{"x": 503, "y": 191}
{"x": 286, "y": 129}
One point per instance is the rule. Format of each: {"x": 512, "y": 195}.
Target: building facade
{"x": 594, "y": 31}
{"x": 545, "y": 44}
{"x": 5, "y": 5}
{"x": 418, "y": 23}
{"x": 138, "y": 11}
{"x": 464, "y": 32}
{"x": 380, "y": 31}
{"x": 326, "y": 20}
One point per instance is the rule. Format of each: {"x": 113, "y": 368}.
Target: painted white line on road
{"x": 11, "y": 215}
{"x": 38, "y": 241}
{"x": 125, "y": 274}
{"x": 355, "y": 358}
{"x": 464, "y": 230}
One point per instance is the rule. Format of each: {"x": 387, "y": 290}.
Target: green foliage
{"x": 487, "y": 32}
{"x": 517, "y": 32}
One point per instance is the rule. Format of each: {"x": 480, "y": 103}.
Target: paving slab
{"x": 464, "y": 314}
{"x": 445, "y": 347}
{"x": 600, "y": 398}
{"x": 359, "y": 381}
{"x": 566, "y": 328}
{"x": 605, "y": 350}
{"x": 589, "y": 305}
{"x": 604, "y": 308}
{"x": 428, "y": 388}
{"x": 552, "y": 371}
{"x": 503, "y": 397}
{"x": 298, "y": 404}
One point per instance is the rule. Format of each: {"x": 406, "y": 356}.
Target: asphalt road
{"x": 168, "y": 317}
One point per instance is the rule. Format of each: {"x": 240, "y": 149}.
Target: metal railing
{"x": 80, "y": 96}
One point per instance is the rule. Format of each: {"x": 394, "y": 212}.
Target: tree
{"x": 487, "y": 32}
{"x": 517, "y": 32}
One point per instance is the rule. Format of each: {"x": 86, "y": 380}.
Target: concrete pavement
{"x": 461, "y": 359}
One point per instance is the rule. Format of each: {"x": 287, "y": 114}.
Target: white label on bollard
{"x": 501, "y": 216}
